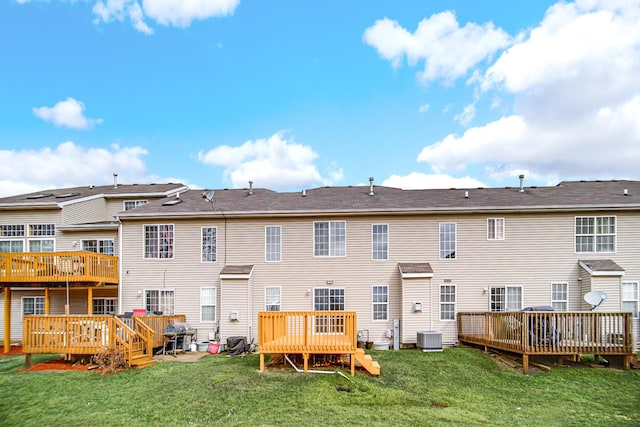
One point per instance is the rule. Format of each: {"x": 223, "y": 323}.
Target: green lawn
{"x": 459, "y": 386}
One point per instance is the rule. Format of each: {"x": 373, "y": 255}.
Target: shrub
{"x": 109, "y": 360}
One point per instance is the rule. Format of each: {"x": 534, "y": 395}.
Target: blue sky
{"x": 300, "y": 94}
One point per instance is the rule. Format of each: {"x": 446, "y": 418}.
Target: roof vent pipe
{"x": 626, "y": 192}
{"x": 371, "y": 186}
{"x": 521, "y": 183}
{"x": 250, "y": 187}
{"x": 304, "y": 193}
{"x": 466, "y": 194}
{"x": 115, "y": 180}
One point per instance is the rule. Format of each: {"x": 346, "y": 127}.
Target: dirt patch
{"x": 14, "y": 350}
{"x": 58, "y": 364}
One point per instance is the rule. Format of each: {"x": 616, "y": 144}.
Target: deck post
{"x": 525, "y": 363}
{"x": 305, "y": 356}
{"x": 353, "y": 364}
{"x": 7, "y": 319}
{"x": 27, "y": 360}
{"x": 262, "y": 361}
{"x": 89, "y": 300}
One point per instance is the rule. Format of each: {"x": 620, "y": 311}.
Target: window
{"x": 380, "y": 241}
{"x": 32, "y": 305}
{"x": 630, "y": 297}
{"x": 272, "y": 298}
{"x": 209, "y": 244}
{"x": 37, "y": 230}
{"x": 11, "y": 246}
{"x": 447, "y": 302}
{"x": 158, "y": 241}
{"x": 130, "y": 204}
{"x": 495, "y": 228}
{"x": 447, "y": 241}
{"x": 595, "y": 234}
{"x": 12, "y": 230}
{"x": 100, "y": 246}
{"x": 559, "y": 297}
{"x": 380, "y": 301}
{"x": 506, "y": 298}
{"x": 329, "y": 238}
{"x": 104, "y": 305}
{"x": 329, "y": 299}
{"x": 160, "y": 300}
{"x": 41, "y": 245}
{"x": 272, "y": 244}
{"x": 207, "y": 304}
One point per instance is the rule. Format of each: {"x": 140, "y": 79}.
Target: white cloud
{"x": 69, "y": 165}
{"x": 67, "y": 113}
{"x": 423, "y": 108}
{"x": 448, "y": 50}
{"x": 466, "y": 115}
{"x": 179, "y": 13}
{"x": 417, "y": 180}
{"x": 274, "y": 163}
{"x": 576, "y": 100}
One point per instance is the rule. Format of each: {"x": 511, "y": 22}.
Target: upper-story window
{"x": 595, "y": 233}
{"x": 380, "y": 241}
{"x": 37, "y": 230}
{"x": 12, "y": 230}
{"x": 158, "y": 241}
{"x": 130, "y": 204}
{"x": 447, "y": 241}
{"x": 209, "y": 244}
{"x": 329, "y": 238}
{"x": 272, "y": 243}
{"x": 100, "y": 246}
{"x": 495, "y": 228}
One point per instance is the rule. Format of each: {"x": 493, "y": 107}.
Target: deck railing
{"x": 157, "y": 324}
{"x": 558, "y": 333}
{"x": 307, "y": 332}
{"x": 74, "y": 266}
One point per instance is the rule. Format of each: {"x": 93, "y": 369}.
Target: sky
{"x": 301, "y": 94}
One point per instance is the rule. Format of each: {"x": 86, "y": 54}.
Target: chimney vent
{"x": 250, "y": 187}
{"x": 371, "y": 186}
{"x": 115, "y": 180}
{"x": 521, "y": 183}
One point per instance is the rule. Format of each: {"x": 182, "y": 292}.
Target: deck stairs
{"x": 139, "y": 360}
{"x": 367, "y": 362}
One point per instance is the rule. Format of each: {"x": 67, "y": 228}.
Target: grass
{"x": 459, "y": 386}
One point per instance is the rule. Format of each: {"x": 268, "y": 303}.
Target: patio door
{"x": 329, "y": 299}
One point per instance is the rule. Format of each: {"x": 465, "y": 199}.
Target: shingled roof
{"x": 55, "y": 197}
{"x": 573, "y": 195}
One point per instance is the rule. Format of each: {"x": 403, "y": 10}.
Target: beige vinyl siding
{"x": 86, "y": 211}
{"x": 235, "y": 299}
{"x": 538, "y": 249}
{"x": 412, "y": 322}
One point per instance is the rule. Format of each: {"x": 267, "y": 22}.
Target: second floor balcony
{"x": 58, "y": 267}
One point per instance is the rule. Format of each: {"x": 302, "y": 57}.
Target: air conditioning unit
{"x": 429, "y": 341}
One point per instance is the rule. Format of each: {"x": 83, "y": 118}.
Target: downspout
{"x": 119, "y": 310}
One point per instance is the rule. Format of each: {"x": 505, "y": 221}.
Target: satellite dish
{"x": 595, "y": 298}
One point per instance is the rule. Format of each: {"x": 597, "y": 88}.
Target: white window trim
{"x": 201, "y": 246}
{"x": 313, "y": 296}
{"x": 279, "y": 294}
{"x": 455, "y": 242}
{"x": 20, "y": 235}
{"x": 314, "y": 239}
{"x": 507, "y": 286}
{"x": 215, "y": 304}
{"x": 495, "y": 229}
{"x": 373, "y": 303}
{"x": 372, "y": 248}
{"x": 593, "y": 249}
{"x": 28, "y": 245}
{"x": 636, "y": 314}
{"x": 48, "y": 225}
{"x": 32, "y": 297}
{"x": 566, "y": 301}
{"x": 24, "y": 246}
{"x": 98, "y": 240}
{"x": 441, "y": 303}
{"x": 114, "y": 299}
{"x": 144, "y": 243}
{"x": 135, "y": 202}
{"x": 265, "y": 243}
{"x": 144, "y": 296}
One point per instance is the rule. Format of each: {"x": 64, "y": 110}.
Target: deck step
{"x": 367, "y": 362}
{"x": 142, "y": 361}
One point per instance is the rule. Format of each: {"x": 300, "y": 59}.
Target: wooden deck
{"x": 87, "y": 335}
{"x": 311, "y": 332}
{"x": 551, "y": 333}
{"x": 57, "y": 267}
